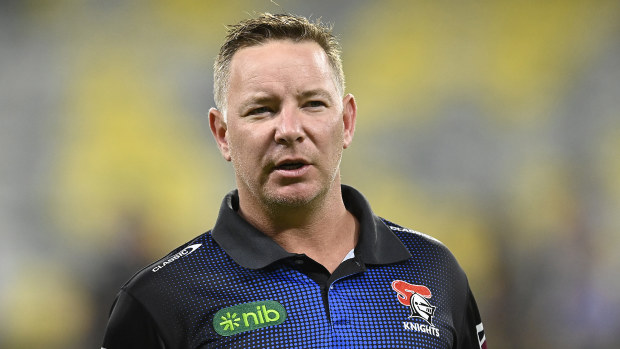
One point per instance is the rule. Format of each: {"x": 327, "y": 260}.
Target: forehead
{"x": 280, "y": 64}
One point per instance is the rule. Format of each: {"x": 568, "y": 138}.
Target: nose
{"x": 289, "y": 128}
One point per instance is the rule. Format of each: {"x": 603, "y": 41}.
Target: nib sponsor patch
{"x": 248, "y": 316}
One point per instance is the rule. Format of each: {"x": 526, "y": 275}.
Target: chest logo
{"x": 248, "y": 316}
{"x": 416, "y": 297}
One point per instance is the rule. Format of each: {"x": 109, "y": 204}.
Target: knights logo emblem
{"x": 416, "y": 298}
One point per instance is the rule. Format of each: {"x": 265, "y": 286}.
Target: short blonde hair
{"x": 266, "y": 27}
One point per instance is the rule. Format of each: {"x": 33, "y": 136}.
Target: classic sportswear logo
{"x": 248, "y": 316}
{"x": 416, "y": 298}
{"x": 183, "y": 252}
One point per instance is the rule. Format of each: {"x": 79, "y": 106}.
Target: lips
{"x": 291, "y": 167}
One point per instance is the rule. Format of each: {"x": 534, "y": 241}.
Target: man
{"x": 295, "y": 260}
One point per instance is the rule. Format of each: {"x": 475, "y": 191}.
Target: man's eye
{"x": 260, "y": 110}
{"x": 315, "y": 104}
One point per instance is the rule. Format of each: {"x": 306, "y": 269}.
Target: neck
{"x": 323, "y": 230}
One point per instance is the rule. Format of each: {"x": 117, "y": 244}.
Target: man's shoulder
{"x": 420, "y": 244}
{"x": 173, "y": 265}
{"x": 410, "y": 234}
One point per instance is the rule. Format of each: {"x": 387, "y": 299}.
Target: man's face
{"x": 286, "y": 123}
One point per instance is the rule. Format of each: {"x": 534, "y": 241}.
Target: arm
{"x": 471, "y": 332}
{"x": 131, "y": 326}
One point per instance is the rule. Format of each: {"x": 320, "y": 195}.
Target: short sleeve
{"x": 471, "y": 332}
{"x": 130, "y": 326}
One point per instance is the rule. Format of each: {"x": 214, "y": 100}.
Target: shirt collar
{"x": 251, "y": 248}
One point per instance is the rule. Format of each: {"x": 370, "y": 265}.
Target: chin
{"x": 297, "y": 200}
{"x": 294, "y": 197}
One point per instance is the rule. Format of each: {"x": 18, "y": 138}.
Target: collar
{"x": 252, "y": 249}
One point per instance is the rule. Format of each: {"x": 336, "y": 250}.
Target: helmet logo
{"x": 416, "y": 298}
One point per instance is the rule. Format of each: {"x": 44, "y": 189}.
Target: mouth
{"x": 291, "y": 167}
{"x": 288, "y": 166}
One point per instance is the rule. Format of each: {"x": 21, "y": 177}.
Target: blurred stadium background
{"x": 491, "y": 125}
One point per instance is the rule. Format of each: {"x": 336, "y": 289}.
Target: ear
{"x": 219, "y": 129}
{"x": 349, "y": 115}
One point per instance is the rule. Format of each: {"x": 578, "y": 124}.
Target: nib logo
{"x": 248, "y": 316}
{"x": 230, "y": 322}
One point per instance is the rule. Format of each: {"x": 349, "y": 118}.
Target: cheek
{"x": 237, "y": 146}
{"x": 245, "y": 148}
{"x": 331, "y": 143}
{"x": 240, "y": 158}
{"x": 336, "y": 134}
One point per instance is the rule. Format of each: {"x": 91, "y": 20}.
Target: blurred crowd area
{"x": 493, "y": 126}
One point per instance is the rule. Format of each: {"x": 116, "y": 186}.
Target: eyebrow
{"x": 316, "y": 92}
{"x": 260, "y": 98}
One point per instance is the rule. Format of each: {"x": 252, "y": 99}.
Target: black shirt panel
{"x": 472, "y": 320}
{"x": 128, "y": 318}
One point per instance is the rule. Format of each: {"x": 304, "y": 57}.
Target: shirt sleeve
{"x": 130, "y": 326}
{"x": 471, "y": 334}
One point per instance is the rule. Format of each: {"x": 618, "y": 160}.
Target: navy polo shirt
{"x": 234, "y": 287}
